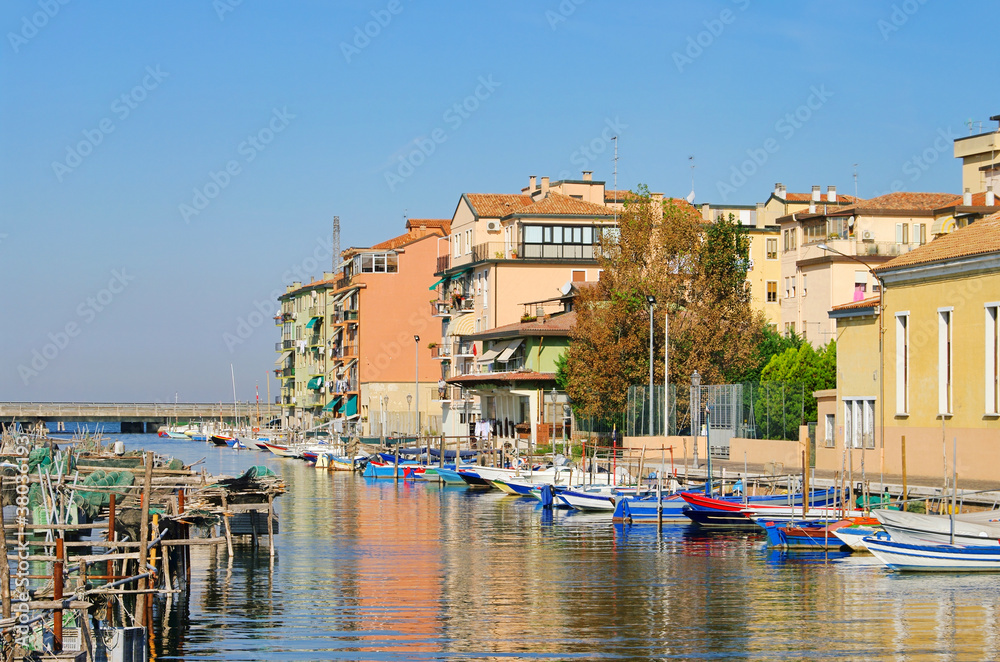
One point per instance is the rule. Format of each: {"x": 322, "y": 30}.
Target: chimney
{"x": 812, "y": 203}
{"x": 778, "y": 190}
{"x": 706, "y": 211}
{"x": 967, "y": 198}
{"x": 327, "y": 275}
{"x": 815, "y": 195}
{"x": 831, "y": 193}
{"x": 545, "y": 186}
{"x": 540, "y": 312}
{"x": 588, "y": 175}
{"x": 760, "y": 214}
{"x": 990, "y": 198}
{"x": 531, "y": 184}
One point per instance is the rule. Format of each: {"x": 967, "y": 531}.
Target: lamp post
{"x": 881, "y": 354}
{"x": 552, "y": 435}
{"x": 385, "y": 413}
{"x": 708, "y": 447}
{"x": 651, "y": 300}
{"x": 695, "y": 412}
{"x": 416, "y": 380}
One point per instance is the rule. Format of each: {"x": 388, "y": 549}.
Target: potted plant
{"x": 431, "y": 345}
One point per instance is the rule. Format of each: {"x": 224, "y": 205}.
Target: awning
{"x": 349, "y": 363}
{"x": 333, "y": 405}
{"x": 351, "y": 408}
{"x": 315, "y": 383}
{"x": 491, "y": 354}
{"x": 284, "y": 355}
{"x": 509, "y": 350}
{"x": 312, "y": 322}
{"x": 443, "y": 280}
{"x": 463, "y": 325}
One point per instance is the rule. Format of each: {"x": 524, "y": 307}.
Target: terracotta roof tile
{"x": 495, "y": 377}
{"x": 497, "y": 205}
{"x": 415, "y": 223}
{"x": 977, "y": 238}
{"x": 979, "y": 200}
{"x": 557, "y": 204}
{"x": 559, "y": 324}
{"x": 870, "y": 302}
{"x": 410, "y": 237}
{"x": 902, "y": 200}
{"x": 807, "y": 197}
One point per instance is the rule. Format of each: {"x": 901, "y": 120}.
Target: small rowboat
{"x": 173, "y": 435}
{"x": 223, "y": 440}
{"x": 934, "y": 558}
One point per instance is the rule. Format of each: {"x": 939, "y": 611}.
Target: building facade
{"x": 937, "y": 377}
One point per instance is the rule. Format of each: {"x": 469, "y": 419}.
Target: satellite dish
{"x": 567, "y": 288}
{"x": 850, "y": 222}
{"x": 690, "y": 197}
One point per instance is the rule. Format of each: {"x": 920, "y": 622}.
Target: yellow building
{"x": 980, "y": 156}
{"x": 937, "y": 377}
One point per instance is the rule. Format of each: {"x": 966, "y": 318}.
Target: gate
{"x": 724, "y": 403}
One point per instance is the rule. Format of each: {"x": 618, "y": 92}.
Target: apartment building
{"x": 359, "y": 338}
{"x": 937, "y": 378}
{"x": 980, "y": 156}
{"x": 828, "y": 251}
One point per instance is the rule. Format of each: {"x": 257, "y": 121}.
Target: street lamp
{"x": 881, "y": 352}
{"x": 651, "y": 300}
{"x": 695, "y": 412}
{"x": 416, "y": 379}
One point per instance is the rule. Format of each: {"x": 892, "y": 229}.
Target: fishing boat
{"x": 599, "y": 498}
{"x": 643, "y": 508}
{"x": 920, "y": 529}
{"x": 404, "y": 470}
{"x": 450, "y": 476}
{"x": 808, "y": 534}
{"x": 169, "y": 434}
{"x": 720, "y": 513}
{"x": 281, "y": 451}
{"x": 854, "y": 536}
{"x": 223, "y": 440}
{"x": 930, "y": 557}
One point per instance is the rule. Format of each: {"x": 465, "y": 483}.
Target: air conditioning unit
{"x": 867, "y": 236}
{"x": 493, "y": 226}
{"x": 127, "y": 645}
{"x": 750, "y": 265}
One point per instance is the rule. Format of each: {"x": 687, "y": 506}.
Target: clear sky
{"x": 166, "y": 168}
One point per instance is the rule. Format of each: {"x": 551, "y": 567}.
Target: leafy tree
{"x": 696, "y": 270}
{"x": 772, "y": 342}
{"x": 785, "y": 400}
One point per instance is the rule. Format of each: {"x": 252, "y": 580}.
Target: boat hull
{"x": 905, "y": 557}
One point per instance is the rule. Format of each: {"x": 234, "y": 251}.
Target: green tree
{"x": 785, "y": 397}
{"x": 696, "y": 270}
{"x": 772, "y": 343}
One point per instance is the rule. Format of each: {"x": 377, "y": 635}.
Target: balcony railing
{"x": 492, "y": 250}
{"x": 346, "y": 350}
{"x": 558, "y": 251}
{"x": 342, "y": 282}
{"x": 464, "y": 349}
{"x": 284, "y": 344}
{"x": 441, "y": 351}
{"x": 343, "y": 316}
{"x": 440, "y": 309}
{"x": 284, "y": 373}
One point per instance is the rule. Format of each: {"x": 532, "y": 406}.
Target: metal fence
{"x": 401, "y": 423}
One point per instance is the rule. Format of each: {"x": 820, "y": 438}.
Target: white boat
{"x": 597, "y": 498}
{"x": 854, "y": 536}
{"x": 920, "y": 529}
{"x": 932, "y": 557}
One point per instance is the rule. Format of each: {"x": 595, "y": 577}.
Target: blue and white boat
{"x": 931, "y": 557}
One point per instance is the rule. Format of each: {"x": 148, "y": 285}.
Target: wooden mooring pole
{"x": 902, "y": 448}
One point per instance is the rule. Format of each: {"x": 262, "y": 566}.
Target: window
{"x": 792, "y": 237}
{"x": 468, "y": 241}
{"x": 789, "y": 328}
{"x": 830, "y": 440}
{"x": 992, "y": 366}
{"x": 772, "y": 249}
{"x": 772, "y": 290}
{"x": 578, "y": 275}
{"x": 805, "y": 330}
{"x": 902, "y": 233}
{"x": 793, "y": 286}
{"x": 559, "y": 241}
{"x": 944, "y": 361}
{"x": 784, "y": 235}
{"x": 457, "y": 238}
{"x": 859, "y": 422}
{"x": 860, "y": 285}
{"x": 787, "y": 287}
{"x": 805, "y": 284}
{"x": 902, "y": 363}
{"x": 378, "y": 263}
{"x": 920, "y": 233}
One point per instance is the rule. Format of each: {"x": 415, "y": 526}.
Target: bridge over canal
{"x": 134, "y": 416}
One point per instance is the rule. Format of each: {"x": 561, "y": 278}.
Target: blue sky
{"x": 165, "y": 168}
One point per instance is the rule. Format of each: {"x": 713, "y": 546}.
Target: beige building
{"x": 980, "y": 156}
{"x": 937, "y": 378}
{"x": 828, "y": 251}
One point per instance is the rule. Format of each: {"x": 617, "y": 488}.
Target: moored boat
{"x": 920, "y": 529}
{"x": 934, "y": 557}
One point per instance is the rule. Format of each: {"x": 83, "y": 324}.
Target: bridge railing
{"x": 122, "y": 409}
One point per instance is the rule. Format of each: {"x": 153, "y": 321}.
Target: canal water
{"x": 369, "y": 570}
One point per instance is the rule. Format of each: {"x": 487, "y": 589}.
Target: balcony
{"x": 342, "y": 282}
{"x": 440, "y": 309}
{"x": 441, "y": 351}
{"x": 464, "y": 350}
{"x": 315, "y": 340}
{"x": 557, "y": 251}
{"x": 314, "y": 311}
{"x": 443, "y": 262}
{"x": 283, "y": 345}
{"x": 493, "y": 250}
{"x": 854, "y": 248}
{"x": 284, "y": 373}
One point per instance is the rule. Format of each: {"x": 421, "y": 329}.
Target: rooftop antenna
{"x": 615, "y": 138}
{"x": 855, "y": 183}
{"x": 336, "y": 242}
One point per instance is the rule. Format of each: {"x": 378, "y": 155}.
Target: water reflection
{"x": 385, "y": 571}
